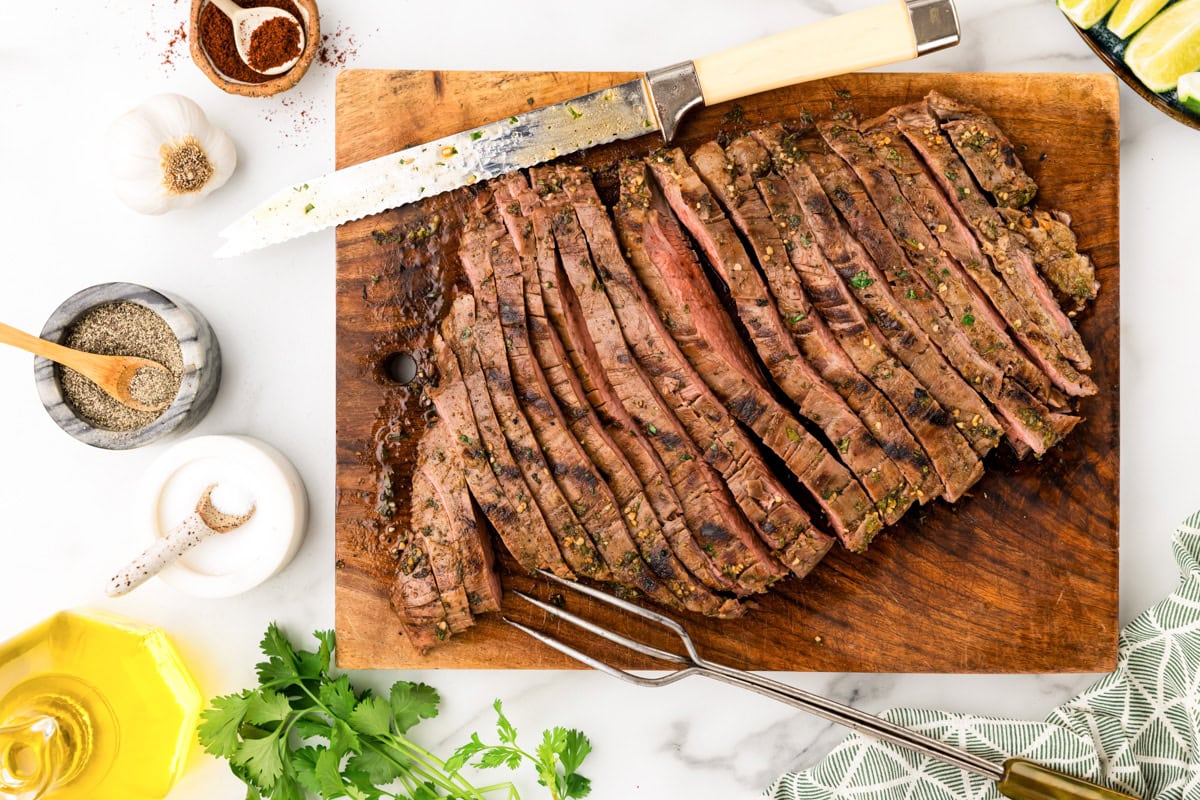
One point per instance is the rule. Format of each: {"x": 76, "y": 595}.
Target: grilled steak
{"x": 491, "y": 475}
{"x": 956, "y": 237}
{"x": 442, "y": 465}
{"x": 986, "y": 150}
{"x": 664, "y": 412}
{"x": 1008, "y": 256}
{"x": 780, "y": 521}
{"x": 609, "y": 508}
{"x": 1054, "y": 252}
{"x": 943, "y": 293}
{"x": 614, "y": 444}
{"x": 433, "y": 544}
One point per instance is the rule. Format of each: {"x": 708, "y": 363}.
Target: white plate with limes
{"x": 1153, "y": 45}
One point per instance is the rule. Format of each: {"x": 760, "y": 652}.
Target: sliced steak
{"x": 939, "y": 295}
{"x": 1055, "y": 252}
{"x": 1009, "y": 257}
{"x": 837, "y": 254}
{"x": 940, "y": 349}
{"x": 433, "y": 542}
{"x": 896, "y": 448}
{"x": 576, "y": 546}
{"x": 766, "y": 502}
{"x": 615, "y": 444}
{"x": 986, "y": 150}
{"x": 441, "y": 462}
{"x": 490, "y": 472}
{"x": 958, "y": 240}
{"x": 592, "y": 325}
{"x": 817, "y": 401}
{"x": 638, "y": 555}
{"x": 686, "y": 309}
{"x": 414, "y": 593}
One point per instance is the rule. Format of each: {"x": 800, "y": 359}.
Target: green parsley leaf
{"x": 219, "y": 724}
{"x": 266, "y": 707}
{"x": 504, "y": 728}
{"x": 968, "y": 319}
{"x": 911, "y": 294}
{"x": 329, "y": 777}
{"x": 413, "y": 702}
{"x": 464, "y": 754}
{"x": 372, "y": 717}
{"x": 339, "y": 697}
{"x": 304, "y": 767}
{"x": 651, "y": 429}
{"x": 861, "y": 280}
{"x": 575, "y": 749}
{"x": 262, "y": 758}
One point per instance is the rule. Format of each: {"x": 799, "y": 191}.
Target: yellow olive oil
{"x": 93, "y": 708}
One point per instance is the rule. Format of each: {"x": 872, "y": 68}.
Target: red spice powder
{"x": 216, "y": 34}
{"x": 274, "y": 43}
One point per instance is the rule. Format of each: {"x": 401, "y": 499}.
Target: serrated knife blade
{"x": 657, "y": 101}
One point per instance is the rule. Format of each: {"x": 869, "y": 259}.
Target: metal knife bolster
{"x": 676, "y": 90}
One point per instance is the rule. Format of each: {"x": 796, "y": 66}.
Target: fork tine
{"x": 595, "y": 663}
{"x": 625, "y": 605}
{"x": 604, "y": 633}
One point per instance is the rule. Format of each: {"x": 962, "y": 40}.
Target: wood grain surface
{"x": 1020, "y": 576}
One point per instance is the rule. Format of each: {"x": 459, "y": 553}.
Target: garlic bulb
{"x": 165, "y": 155}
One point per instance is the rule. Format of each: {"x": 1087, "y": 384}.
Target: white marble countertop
{"x": 67, "y": 68}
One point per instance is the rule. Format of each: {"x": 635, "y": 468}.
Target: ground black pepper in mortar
{"x": 121, "y": 329}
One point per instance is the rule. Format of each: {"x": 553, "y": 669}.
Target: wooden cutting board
{"x": 1021, "y": 576}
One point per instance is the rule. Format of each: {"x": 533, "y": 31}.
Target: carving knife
{"x": 894, "y": 31}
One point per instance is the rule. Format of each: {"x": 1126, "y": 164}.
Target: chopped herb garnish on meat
{"x": 794, "y": 318}
{"x": 309, "y": 208}
{"x": 910, "y": 294}
{"x": 794, "y": 435}
{"x": 968, "y": 319}
{"x": 861, "y": 280}
{"x": 574, "y": 114}
{"x": 476, "y": 136}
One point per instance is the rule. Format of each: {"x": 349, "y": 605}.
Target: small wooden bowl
{"x": 280, "y": 83}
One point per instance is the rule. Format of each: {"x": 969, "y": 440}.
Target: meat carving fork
{"x": 1017, "y": 778}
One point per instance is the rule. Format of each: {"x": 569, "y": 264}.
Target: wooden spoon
{"x": 246, "y": 21}
{"x": 113, "y": 374}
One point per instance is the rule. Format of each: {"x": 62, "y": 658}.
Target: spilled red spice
{"x": 273, "y": 44}
{"x": 216, "y": 34}
{"x": 175, "y": 46}
{"x": 337, "y": 48}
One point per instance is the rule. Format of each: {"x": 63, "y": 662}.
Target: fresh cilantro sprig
{"x": 557, "y": 758}
{"x": 304, "y": 732}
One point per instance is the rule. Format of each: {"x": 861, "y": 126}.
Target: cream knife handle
{"x": 897, "y": 30}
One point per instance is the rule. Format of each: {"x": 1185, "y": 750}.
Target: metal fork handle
{"x": 858, "y": 721}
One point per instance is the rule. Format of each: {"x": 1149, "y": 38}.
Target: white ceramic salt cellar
{"x": 248, "y": 471}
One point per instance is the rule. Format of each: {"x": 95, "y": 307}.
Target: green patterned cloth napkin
{"x": 1137, "y": 730}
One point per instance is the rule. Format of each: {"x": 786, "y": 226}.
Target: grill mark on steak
{"x": 433, "y": 536}
{"x": 986, "y": 150}
{"x": 491, "y": 474}
{"x": 441, "y": 464}
{"x": 1008, "y": 256}
{"x": 525, "y": 460}
{"x": 698, "y": 211}
{"x": 951, "y": 299}
{"x": 1054, "y": 247}
{"x": 781, "y": 522}
{"x": 936, "y": 354}
{"x": 736, "y": 191}
{"x": 637, "y": 541}
{"x": 958, "y": 240}
{"x": 618, "y": 437}
{"x": 734, "y": 543}
{"x": 920, "y": 403}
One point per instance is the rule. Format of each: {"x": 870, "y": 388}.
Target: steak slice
{"x": 638, "y": 554}
{"x": 600, "y": 436}
{"x": 414, "y": 593}
{"x": 1010, "y": 258}
{"x": 490, "y": 472}
{"x": 817, "y": 401}
{"x": 958, "y": 240}
{"x": 895, "y": 446}
{"x": 576, "y": 547}
{"x": 986, "y": 149}
{"x": 941, "y": 373}
{"x": 442, "y": 465}
{"x": 594, "y": 332}
{"x": 942, "y": 292}
{"x": 766, "y": 502}
{"x": 683, "y": 305}
{"x": 838, "y": 255}
{"x": 1055, "y": 252}
{"x": 433, "y": 542}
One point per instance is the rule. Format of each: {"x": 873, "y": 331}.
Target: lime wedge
{"x": 1168, "y": 47}
{"x": 1129, "y": 15}
{"x": 1189, "y": 92}
{"x": 1086, "y": 13}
